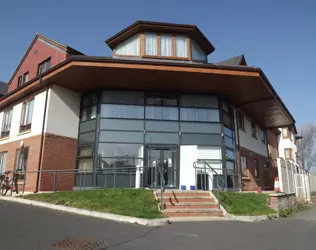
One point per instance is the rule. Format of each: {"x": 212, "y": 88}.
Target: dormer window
{"x": 164, "y": 41}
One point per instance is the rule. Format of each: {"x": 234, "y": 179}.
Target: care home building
{"x": 156, "y": 102}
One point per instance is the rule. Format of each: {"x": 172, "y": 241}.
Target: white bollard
{"x": 137, "y": 176}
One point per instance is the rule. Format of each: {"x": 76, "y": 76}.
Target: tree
{"x": 306, "y": 146}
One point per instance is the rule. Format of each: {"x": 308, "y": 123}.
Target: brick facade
{"x": 58, "y": 153}
{"x": 250, "y": 182}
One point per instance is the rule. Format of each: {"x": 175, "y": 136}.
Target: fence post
{"x": 287, "y": 174}
{"x": 279, "y": 164}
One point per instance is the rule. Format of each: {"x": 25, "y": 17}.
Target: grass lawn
{"x": 245, "y": 203}
{"x": 131, "y": 202}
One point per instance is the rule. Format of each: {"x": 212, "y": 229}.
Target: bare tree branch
{"x": 306, "y": 146}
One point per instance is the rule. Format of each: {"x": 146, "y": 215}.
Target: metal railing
{"x": 219, "y": 178}
{"x": 76, "y": 179}
{"x": 162, "y": 185}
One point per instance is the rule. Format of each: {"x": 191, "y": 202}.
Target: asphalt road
{"x": 25, "y": 227}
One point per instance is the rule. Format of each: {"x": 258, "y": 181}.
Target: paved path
{"x": 25, "y": 227}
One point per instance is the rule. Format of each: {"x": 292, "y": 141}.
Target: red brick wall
{"x": 32, "y": 164}
{"x": 250, "y": 183}
{"x": 38, "y": 53}
{"x": 59, "y": 154}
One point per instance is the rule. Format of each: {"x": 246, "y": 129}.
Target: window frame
{"x": 264, "y": 138}
{"x": 290, "y": 154}
{"x": 253, "y": 129}
{"x": 173, "y": 46}
{"x": 43, "y": 63}
{"x": 256, "y": 169}
{"x": 244, "y": 171}
{"x": 1, "y": 161}
{"x": 288, "y": 135}
{"x": 241, "y": 120}
{"x": 21, "y": 176}
{"x": 6, "y": 133}
{"x": 27, "y": 126}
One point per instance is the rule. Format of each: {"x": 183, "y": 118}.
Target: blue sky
{"x": 278, "y": 36}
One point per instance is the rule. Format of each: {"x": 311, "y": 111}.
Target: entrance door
{"x": 161, "y": 165}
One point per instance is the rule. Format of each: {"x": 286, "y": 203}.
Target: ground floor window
{"x": 21, "y": 158}
{"x": 244, "y": 168}
{"x": 3, "y": 161}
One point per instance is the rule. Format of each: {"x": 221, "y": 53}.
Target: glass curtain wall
{"x": 128, "y": 122}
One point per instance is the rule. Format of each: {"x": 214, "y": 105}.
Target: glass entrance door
{"x": 161, "y": 165}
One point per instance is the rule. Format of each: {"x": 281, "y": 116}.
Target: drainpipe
{"x": 42, "y": 139}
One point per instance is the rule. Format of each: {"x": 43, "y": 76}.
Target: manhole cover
{"x": 77, "y": 244}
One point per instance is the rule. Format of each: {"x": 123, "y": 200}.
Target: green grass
{"x": 131, "y": 202}
{"x": 245, "y": 203}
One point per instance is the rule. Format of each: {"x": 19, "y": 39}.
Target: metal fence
{"x": 75, "y": 179}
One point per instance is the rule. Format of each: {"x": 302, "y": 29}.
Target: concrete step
{"x": 192, "y": 212}
{"x": 185, "y": 199}
{"x": 192, "y": 205}
{"x": 186, "y": 193}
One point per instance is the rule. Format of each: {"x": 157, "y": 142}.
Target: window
{"x": 199, "y": 115}
{"x": 285, "y": 133}
{"x": 20, "y": 81}
{"x": 288, "y": 154}
{"x": 43, "y": 67}
{"x": 241, "y": 120}
{"x": 27, "y": 114}
{"x": 88, "y": 113}
{"x": 151, "y": 45}
{"x": 256, "y": 168}
{"x": 3, "y": 161}
{"x": 181, "y": 46}
{"x": 21, "y": 158}
{"x": 166, "y": 45}
{"x": 23, "y": 79}
{"x": 170, "y": 46}
{"x": 197, "y": 53}
{"x": 6, "y": 124}
{"x": 244, "y": 169}
{"x": 253, "y": 130}
{"x": 263, "y": 136}
{"x": 130, "y": 47}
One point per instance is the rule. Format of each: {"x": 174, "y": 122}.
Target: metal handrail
{"x": 214, "y": 171}
{"x": 162, "y": 185}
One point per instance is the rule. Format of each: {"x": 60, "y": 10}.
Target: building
{"x": 157, "y": 103}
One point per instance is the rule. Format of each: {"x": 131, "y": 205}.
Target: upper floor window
{"x": 6, "y": 123}
{"x": 288, "y": 154}
{"x": 253, "y": 130}
{"x": 196, "y": 52}
{"x": 23, "y": 79}
{"x": 166, "y": 45}
{"x": 43, "y": 67}
{"x": 89, "y": 107}
{"x": 26, "y": 115}
{"x": 129, "y": 47}
{"x": 285, "y": 133}
{"x": 263, "y": 136}
{"x": 241, "y": 120}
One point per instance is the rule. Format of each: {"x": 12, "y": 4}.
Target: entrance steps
{"x": 179, "y": 203}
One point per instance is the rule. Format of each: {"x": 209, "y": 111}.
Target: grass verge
{"x": 245, "y": 203}
{"x": 130, "y": 202}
